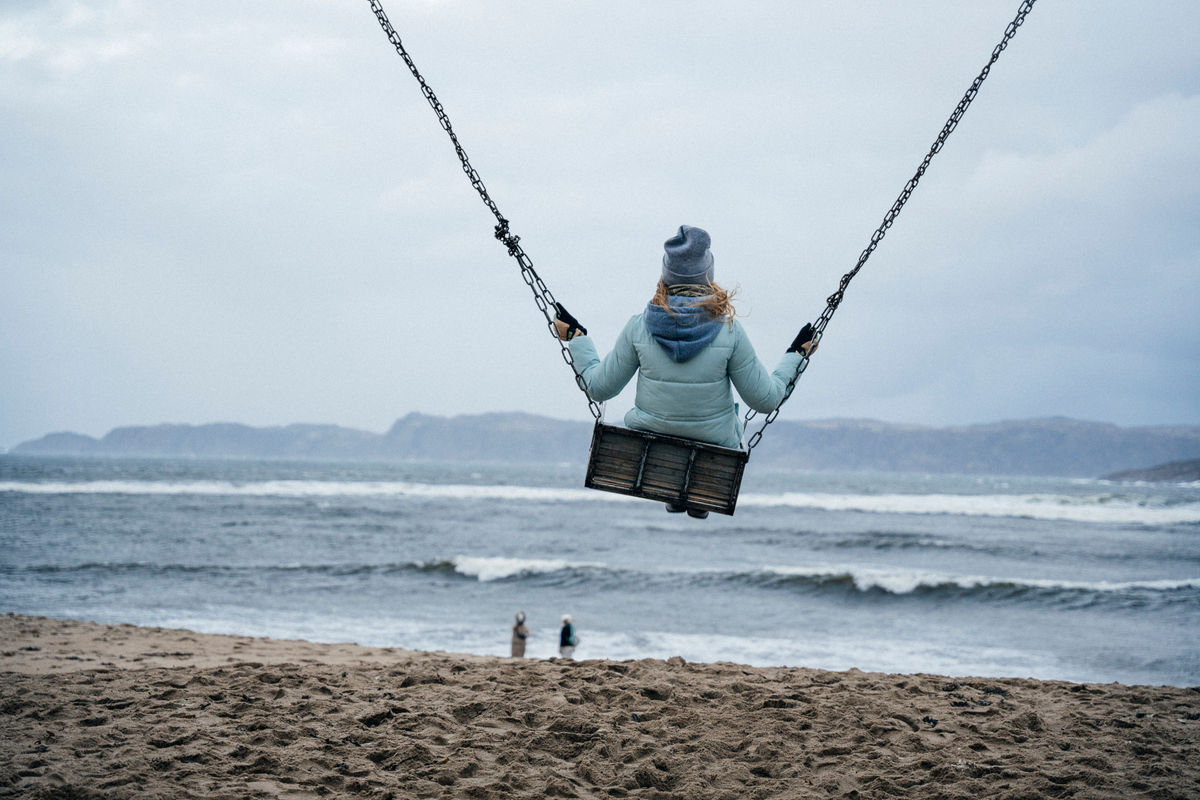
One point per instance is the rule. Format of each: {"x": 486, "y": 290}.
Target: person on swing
{"x": 687, "y": 350}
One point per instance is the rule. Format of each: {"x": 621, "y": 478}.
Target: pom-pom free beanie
{"x": 687, "y": 257}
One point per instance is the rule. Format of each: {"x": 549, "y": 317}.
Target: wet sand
{"x": 97, "y": 711}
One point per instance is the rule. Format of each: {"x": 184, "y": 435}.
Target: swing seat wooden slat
{"x": 654, "y": 466}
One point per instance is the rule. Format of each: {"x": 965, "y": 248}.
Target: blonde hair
{"x": 718, "y": 302}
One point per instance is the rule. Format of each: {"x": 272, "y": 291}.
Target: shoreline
{"x": 94, "y": 710}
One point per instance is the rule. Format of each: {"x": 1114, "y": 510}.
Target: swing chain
{"x": 835, "y": 299}
{"x": 541, "y": 293}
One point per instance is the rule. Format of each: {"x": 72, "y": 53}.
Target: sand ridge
{"x": 117, "y": 711}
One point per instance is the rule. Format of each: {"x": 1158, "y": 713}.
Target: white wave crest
{"x": 1097, "y": 508}
{"x": 902, "y": 581}
{"x": 288, "y": 488}
{"x": 1092, "y": 508}
{"x": 495, "y": 568}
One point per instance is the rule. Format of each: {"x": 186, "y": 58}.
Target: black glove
{"x": 802, "y": 338}
{"x": 572, "y": 324}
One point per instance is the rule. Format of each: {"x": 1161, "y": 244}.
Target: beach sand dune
{"x": 95, "y": 711}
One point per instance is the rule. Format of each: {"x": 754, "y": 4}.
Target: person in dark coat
{"x": 567, "y": 638}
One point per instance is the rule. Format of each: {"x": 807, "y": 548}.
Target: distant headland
{"x": 1176, "y": 472}
{"x": 1051, "y": 447}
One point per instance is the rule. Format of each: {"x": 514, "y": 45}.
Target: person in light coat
{"x": 519, "y": 634}
{"x": 688, "y": 352}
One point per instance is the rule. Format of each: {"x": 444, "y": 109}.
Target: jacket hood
{"x": 684, "y": 332}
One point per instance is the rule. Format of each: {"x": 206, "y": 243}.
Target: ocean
{"x": 1079, "y": 580}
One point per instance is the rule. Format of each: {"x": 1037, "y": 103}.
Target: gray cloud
{"x": 230, "y": 211}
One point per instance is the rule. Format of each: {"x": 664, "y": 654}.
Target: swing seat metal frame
{"x": 695, "y": 475}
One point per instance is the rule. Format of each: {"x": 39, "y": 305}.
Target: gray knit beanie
{"x": 686, "y": 257}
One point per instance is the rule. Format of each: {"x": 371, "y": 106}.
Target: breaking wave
{"x": 1099, "y": 508}
{"x": 864, "y": 582}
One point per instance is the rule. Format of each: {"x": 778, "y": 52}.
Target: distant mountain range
{"x": 1176, "y": 471}
{"x": 1055, "y": 446}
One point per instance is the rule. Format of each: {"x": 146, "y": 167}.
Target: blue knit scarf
{"x": 684, "y": 332}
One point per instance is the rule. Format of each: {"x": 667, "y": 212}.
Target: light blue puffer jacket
{"x": 690, "y": 398}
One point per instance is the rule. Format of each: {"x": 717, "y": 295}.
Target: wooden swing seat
{"x": 654, "y": 466}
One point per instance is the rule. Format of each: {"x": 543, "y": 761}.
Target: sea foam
{"x": 1083, "y": 508}
{"x": 1091, "y": 508}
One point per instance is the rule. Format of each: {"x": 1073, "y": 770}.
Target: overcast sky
{"x": 246, "y": 211}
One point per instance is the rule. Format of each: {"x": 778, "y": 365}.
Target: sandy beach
{"x": 93, "y": 711}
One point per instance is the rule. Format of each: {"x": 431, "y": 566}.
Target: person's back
{"x": 694, "y": 398}
{"x": 687, "y": 350}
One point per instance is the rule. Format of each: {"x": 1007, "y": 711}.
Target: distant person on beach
{"x": 567, "y": 638}
{"x": 519, "y": 634}
{"x": 687, "y": 349}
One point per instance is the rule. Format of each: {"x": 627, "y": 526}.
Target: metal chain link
{"x": 541, "y": 293}
{"x": 835, "y": 299}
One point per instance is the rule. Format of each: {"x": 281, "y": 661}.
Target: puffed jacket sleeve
{"x": 605, "y": 378}
{"x": 761, "y": 390}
